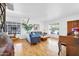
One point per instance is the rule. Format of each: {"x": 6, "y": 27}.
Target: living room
{"x": 35, "y": 28}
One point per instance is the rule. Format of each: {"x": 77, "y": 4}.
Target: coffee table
{"x": 44, "y": 38}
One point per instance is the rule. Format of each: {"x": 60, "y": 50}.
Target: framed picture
{"x": 36, "y": 27}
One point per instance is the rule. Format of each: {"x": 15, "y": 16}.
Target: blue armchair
{"x": 35, "y": 37}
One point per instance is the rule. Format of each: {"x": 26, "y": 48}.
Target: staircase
{"x": 2, "y": 16}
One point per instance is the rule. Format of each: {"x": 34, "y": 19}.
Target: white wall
{"x": 49, "y": 13}
{"x": 18, "y": 17}
{"x": 61, "y": 13}
{"x": 62, "y": 22}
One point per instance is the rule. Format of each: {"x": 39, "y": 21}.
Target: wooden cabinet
{"x": 72, "y": 24}
{"x": 71, "y": 43}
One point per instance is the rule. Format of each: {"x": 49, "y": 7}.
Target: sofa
{"x": 34, "y": 37}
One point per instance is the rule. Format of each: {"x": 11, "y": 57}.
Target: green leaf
{"x": 27, "y": 27}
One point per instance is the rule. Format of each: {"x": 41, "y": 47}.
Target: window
{"x": 13, "y": 27}
{"x": 54, "y": 28}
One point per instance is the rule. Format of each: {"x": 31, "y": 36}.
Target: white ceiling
{"x": 35, "y": 11}
{"x": 47, "y": 11}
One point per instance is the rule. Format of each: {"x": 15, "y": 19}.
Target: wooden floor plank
{"x": 44, "y": 48}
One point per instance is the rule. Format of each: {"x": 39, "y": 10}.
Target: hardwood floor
{"x": 44, "y": 48}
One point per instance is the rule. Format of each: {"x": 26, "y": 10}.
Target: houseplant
{"x": 28, "y": 27}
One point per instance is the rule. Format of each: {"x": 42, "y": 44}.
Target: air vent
{"x": 10, "y": 6}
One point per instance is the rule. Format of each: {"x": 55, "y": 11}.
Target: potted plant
{"x": 28, "y": 27}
